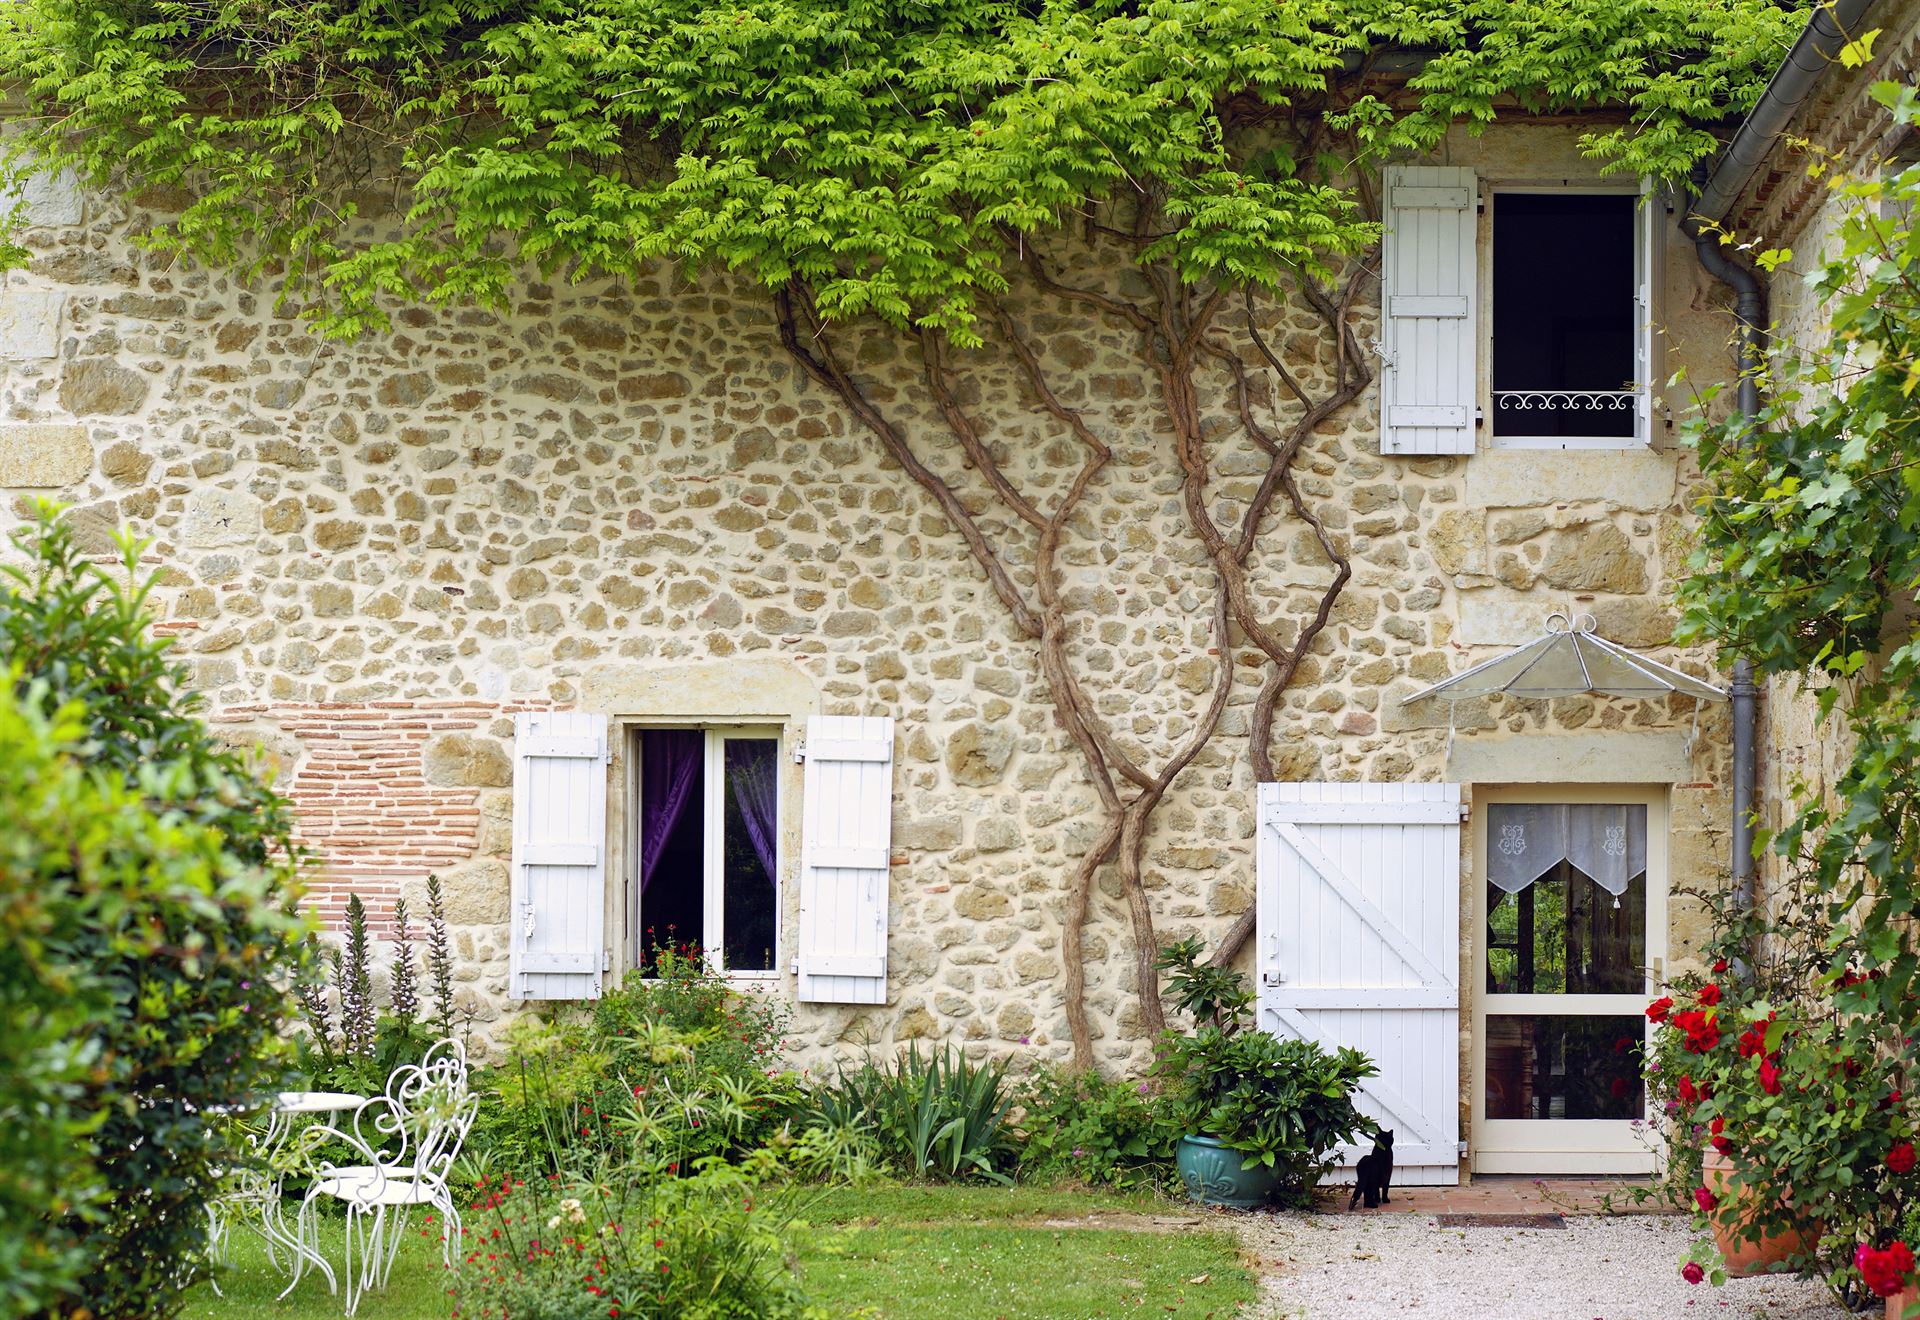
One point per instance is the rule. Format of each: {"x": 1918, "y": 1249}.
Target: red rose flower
{"x": 1702, "y": 1029}
{"x": 1900, "y": 1158}
{"x": 1692, "y": 1272}
{"x": 1719, "y": 965}
{"x": 1705, "y": 1199}
{"x": 1723, "y": 1144}
{"x": 1769, "y": 1077}
{"x": 1657, "y": 1011}
{"x": 1885, "y": 1270}
{"x": 1893, "y": 1098}
{"x": 1709, "y": 995}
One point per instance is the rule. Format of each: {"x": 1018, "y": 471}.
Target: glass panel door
{"x": 1572, "y": 921}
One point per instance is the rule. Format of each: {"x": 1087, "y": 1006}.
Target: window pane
{"x": 672, "y": 840}
{"x": 750, "y": 865}
{"x": 1562, "y": 934}
{"x": 1563, "y": 313}
{"x": 1564, "y": 1067}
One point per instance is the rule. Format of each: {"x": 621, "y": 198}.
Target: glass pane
{"x": 1562, "y": 934}
{"x": 672, "y": 841}
{"x": 1564, "y": 1067}
{"x": 750, "y": 866}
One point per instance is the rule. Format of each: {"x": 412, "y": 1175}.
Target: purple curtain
{"x": 670, "y": 761}
{"x": 753, "y": 770}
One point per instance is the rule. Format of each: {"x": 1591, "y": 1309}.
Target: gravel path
{"x": 1337, "y": 1267}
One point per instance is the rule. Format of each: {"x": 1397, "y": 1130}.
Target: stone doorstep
{"x": 1504, "y": 1195}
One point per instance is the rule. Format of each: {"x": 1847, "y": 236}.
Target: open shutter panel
{"x": 1358, "y": 943}
{"x": 559, "y": 854}
{"x": 846, "y": 830}
{"x": 1429, "y": 323}
{"x": 1650, "y": 375}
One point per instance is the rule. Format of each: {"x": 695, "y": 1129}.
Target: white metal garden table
{"x": 259, "y": 1184}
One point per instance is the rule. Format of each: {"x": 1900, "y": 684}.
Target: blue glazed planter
{"x": 1213, "y": 1175}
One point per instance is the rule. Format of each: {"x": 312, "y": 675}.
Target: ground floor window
{"x": 706, "y": 846}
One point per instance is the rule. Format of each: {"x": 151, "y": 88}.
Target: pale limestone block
{"x": 218, "y": 517}
{"x": 1501, "y": 618}
{"x": 1639, "y": 479}
{"x": 50, "y": 199}
{"x": 30, "y": 323}
{"x": 41, "y": 455}
{"x": 1572, "y": 758}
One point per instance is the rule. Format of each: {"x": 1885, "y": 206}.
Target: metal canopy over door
{"x": 1358, "y": 912}
{"x": 1571, "y": 910}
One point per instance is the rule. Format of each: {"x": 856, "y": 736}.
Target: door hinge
{"x": 1466, "y": 813}
{"x": 794, "y": 967}
{"x": 799, "y": 753}
{"x": 1461, "y": 1149}
{"x": 606, "y": 960}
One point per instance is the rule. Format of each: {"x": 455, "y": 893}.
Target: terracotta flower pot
{"x": 1904, "y": 1303}
{"x": 1735, "y": 1209}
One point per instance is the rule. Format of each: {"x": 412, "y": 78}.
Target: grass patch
{"x": 890, "y": 1251}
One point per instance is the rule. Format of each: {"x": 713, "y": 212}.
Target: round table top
{"x": 316, "y": 1102}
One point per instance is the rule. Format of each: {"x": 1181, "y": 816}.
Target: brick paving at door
{"x": 1506, "y": 1195}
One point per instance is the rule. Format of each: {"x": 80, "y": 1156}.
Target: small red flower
{"x": 1900, "y": 1158}
{"x": 1719, "y": 965}
{"x": 1705, "y": 1199}
{"x": 1691, "y": 1091}
{"x": 1769, "y": 1077}
{"x": 1723, "y": 1144}
{"x": 1885, "y": 1270}
{"x": 1709, "y": 994}
{"x": 1657, "y": 1011}
{"x": 1692, "y": 1272}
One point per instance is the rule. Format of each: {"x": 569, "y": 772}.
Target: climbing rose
{"x": 1692, "y": 1272}
{"x": 1702, "y": 1029}
{"x": 1722, "y": 1144}
{"x": 1770, "y": 1082}
{"x": 1900, "y": 1158}
{"x": 1705, "y": 1199}
{"x": 1885, "y": 1270}
{"x": 1657, "y": 1011}
{"x": 1709, "y": 995}
{"x": 1719, "y": 965}
{"x": 1691, "y": 1091}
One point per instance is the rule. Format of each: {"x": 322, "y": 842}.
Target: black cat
{"x": 1374, "y": 1172}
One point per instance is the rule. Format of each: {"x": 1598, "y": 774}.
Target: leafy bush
{"x": 369, "y": 1044}
{"x": 1282, "y": 1103}
{"x": 145, "y": 870}
{"x": 1080, "y": 1126}
{"x": 943, "y": 1116}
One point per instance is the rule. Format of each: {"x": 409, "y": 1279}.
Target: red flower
{"x": 1884, "y": 1271}
{"x": 1770, "y": 1079}
{"x": 1753, "y": 1040}
{"x": 1705, "y": 1199}
{"x": 1721, "y": 1143}
{"x": 1692, "y": 1272}
{"x": 1657, "y": 1011}
{"x": 1719, "y": 965}
{"x": 1702, "y": 1029}
{"x": 1693, "y": 1092}
{"x": 1618, "y": 1087}
{"x": 1709, "y": 995}
{"x": 1893, "y": 1098}
{"x": 1900, "y": 1158}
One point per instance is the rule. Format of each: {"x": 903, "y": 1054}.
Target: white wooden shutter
{"x": 1428, "y": 299}
{"x": 846, "y": 831}
{"x": 558, "y": 898}
{"x": 1358, "y": 912}
{"x": 1649, "y": 251}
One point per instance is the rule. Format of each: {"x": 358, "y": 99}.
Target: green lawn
{"x": 889, "y": 1252}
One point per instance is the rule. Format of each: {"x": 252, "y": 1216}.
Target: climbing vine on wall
{"x": 910, "y": 169}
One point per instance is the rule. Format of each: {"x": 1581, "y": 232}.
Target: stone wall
{"x": 377, "y": 551}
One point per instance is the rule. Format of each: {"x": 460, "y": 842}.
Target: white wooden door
{"x": 1358, "y": 912}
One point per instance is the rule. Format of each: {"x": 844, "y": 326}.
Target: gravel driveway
{"x": 1344, "y": 1267}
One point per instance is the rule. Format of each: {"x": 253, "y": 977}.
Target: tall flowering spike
{"x": 312, "y": 991}
{"x": 406, "y": 990}
{"x": 356, "y": 984}
{"x": 439, "y": 958}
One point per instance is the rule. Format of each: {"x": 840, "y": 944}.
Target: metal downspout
{"x": 1830, "y": 28}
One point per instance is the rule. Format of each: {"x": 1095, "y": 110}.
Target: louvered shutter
{"x": 1429, "y": 326}
{"x": 558, "y": 898}
{"x": 846, "y": 830}
{"x": 1357, "y": 892}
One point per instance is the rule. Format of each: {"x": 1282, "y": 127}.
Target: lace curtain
{"x": 1605, "y": 843}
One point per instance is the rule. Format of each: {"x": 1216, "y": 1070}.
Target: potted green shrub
{"x": 1262, "y": 1114}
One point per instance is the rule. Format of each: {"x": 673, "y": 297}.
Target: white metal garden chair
{"x": 406, "y": 1141}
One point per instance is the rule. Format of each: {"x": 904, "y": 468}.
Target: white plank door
{"x": 1429, "y": 323}
{"x": 846, "y": 833}
{"x": 1358, "y": 930}
{"x": 558, "y": 894}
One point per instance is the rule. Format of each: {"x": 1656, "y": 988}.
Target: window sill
{"x": 1640, "y": 479}
{"x": 1612, "y": 444}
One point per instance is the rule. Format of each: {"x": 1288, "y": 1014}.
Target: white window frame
{"x": 1646, "y": 298}
{"x": 712, "y": 853}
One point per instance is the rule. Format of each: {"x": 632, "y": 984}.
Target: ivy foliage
{"x": 1809, "y": 555}
{"x": 889, "y": 155}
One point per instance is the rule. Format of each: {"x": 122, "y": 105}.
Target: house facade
{"x": 603, "y": 614}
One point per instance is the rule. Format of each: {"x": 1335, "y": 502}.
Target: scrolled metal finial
{"x": 1584, "y": 623}
{"x": 1566, "y": 623}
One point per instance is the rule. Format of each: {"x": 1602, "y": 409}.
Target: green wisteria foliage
{"x": 886, "y": 153}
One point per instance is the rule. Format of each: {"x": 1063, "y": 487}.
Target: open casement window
{"x": 706, "y": 847}
{"x": 557, "y": 899}
{"x": 847, "y": 833}
{"x": 1429, "y": 290}
{"x": 1574, "y": 349}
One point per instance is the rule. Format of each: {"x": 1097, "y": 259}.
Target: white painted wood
{"x": 846, "y": 832}
{"x": 1649, "y": 344}
{"x": 1357, "y": 944}
{"x": 557, "y": 903}
{"x": 1430, "y": 287}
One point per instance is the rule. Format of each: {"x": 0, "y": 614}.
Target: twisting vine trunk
{"x": 1178, "y": 331}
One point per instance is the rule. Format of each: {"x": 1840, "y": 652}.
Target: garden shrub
{"x": 941, "y": 1116}
{"x": 368, "y": 1044}
{"x": 1080, "y": 1126}
{"x": 146, "y": 867}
